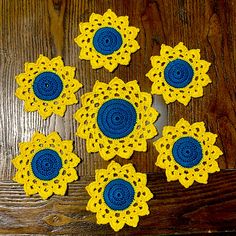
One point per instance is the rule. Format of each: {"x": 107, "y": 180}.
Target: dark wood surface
{"x": 32, "y": 27}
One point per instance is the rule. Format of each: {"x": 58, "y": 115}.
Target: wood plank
{"x": 174, "y": 209}
{"x": 31, "y": 27}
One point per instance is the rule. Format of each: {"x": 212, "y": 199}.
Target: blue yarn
{"x": 107, "y": 40}
{"x": 47, "y": 86}
{"x": 178, "y": 73}
{"x": 118, "y": 194}
{"x": 116, "y": 118}
{"x": 46, "y": 164}
{"x": 187, "y": 152}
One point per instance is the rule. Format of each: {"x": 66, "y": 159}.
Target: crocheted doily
{"x": 47, "y": 86}
{"x": 187, "y": 153}
{"x": 45, "y": 165}
{"x": 178, "y": 74}
{"x": 107, "y": 40}
{"x": 119, "y": 195}
{"x": 116, "y": 119}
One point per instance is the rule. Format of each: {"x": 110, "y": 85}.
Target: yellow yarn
{"x": 88, "y": 129}
{"x": 46, "y": 108}
{"x": 25, "y": 174}
{"x": 120, "y": 24}
{"x": 193, "y": 89}
{"x": 118, "y": 218}
{"x": 199, "y": 172}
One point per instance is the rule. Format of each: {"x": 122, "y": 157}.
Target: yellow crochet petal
{"x": 109, "y": 15}
{"x": 178, "y": 74}
{"x": 213, "y": 167}
{"x": 184, "y": 98}
{"x": 45, "y": 192}
{"x": 185, "y": 181}
{"x": 71, "y": 175}
{"x": 104, "y": 211}
{"x": 34, "y": 176}
{"x": 193, "y": 54}
{"x": 97, "y": 139}
{"x": 202, "y": 177}
{"x": 198, "y": 128}
{"x": 182, "y": 124}
{"x": 193, "y": 158}
{"x": 205, "y": 80}
{"x": 45, "y": 103}
{"x": 30, "y": 189}
{"x": 144, "y": 210}
{"x": 100, "y": 57}
{"x": 117, "y": 225}
{"x": 197, "y": 91}
{"x": 133, "y": 221}
{"x": 60, "y": 189}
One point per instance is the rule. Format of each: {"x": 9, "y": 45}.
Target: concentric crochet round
{"x": 107, "y": 40}
{"x": 119, "y": 196}
{"x": 116, "y": 118}
{"x": 46, "y": 164}
{"x": 47, "y": 86}
{"x": 187, "y": 153}
{"x": 178, "y": 74}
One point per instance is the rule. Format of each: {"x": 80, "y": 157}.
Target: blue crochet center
{"x": 187, "y": 152}
{"x": 118, "y": 194}
{"x": 46, "y": 164}
{"x": 107, "y": 40}
{"x": 178, "y": 73}
{"x": 116, "y": 118}
{"x": 47, "y": 86}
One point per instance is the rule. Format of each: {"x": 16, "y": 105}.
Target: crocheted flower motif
{"x": 47, "y": 86}
{"x": 187, "y": 152}
{"x": 178, "y": 74}
{"x": 119, "y": 195}
{"x": 45, "y": 165}
{"x": 107, "y": 40}
{"x": 116, "y": 119}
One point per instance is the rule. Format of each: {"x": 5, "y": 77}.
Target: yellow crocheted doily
{"x": 187, "y": 153}
{"x": 47, "y": 86}
{"x": 107, "y": 40}
{"x": 178, "y": 74}
{"x": 119, "y": 196}
{"x": 45, "y": 165}
{"x": 116, "y": 119}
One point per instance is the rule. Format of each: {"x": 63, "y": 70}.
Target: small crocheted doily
{"x": 178, "y": 74}
{"x": 107, "y": 40}
{"x": 119, "y": 196}
{"x": 45, "y": 165}
{"x": 47, "y": 86}
{"x": 187, "y": 153}
{"x": 116, "y": 119}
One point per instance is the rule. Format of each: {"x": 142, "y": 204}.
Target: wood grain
{"x": 207, "y": 208}
{"x": 31, "y": 27}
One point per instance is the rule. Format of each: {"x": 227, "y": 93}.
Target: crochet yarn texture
{"x": 178, "y": 74}
{"x": 107, "y": 40}
{"x": 45, "y": 165}
{"x": 47, "y": 86}
{"x": 119, "y": 196}
{"x": 116, "y": 119}
{"x": 187, "y": 153}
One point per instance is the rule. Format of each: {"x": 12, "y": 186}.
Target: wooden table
{"x": 32, "y": 27}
